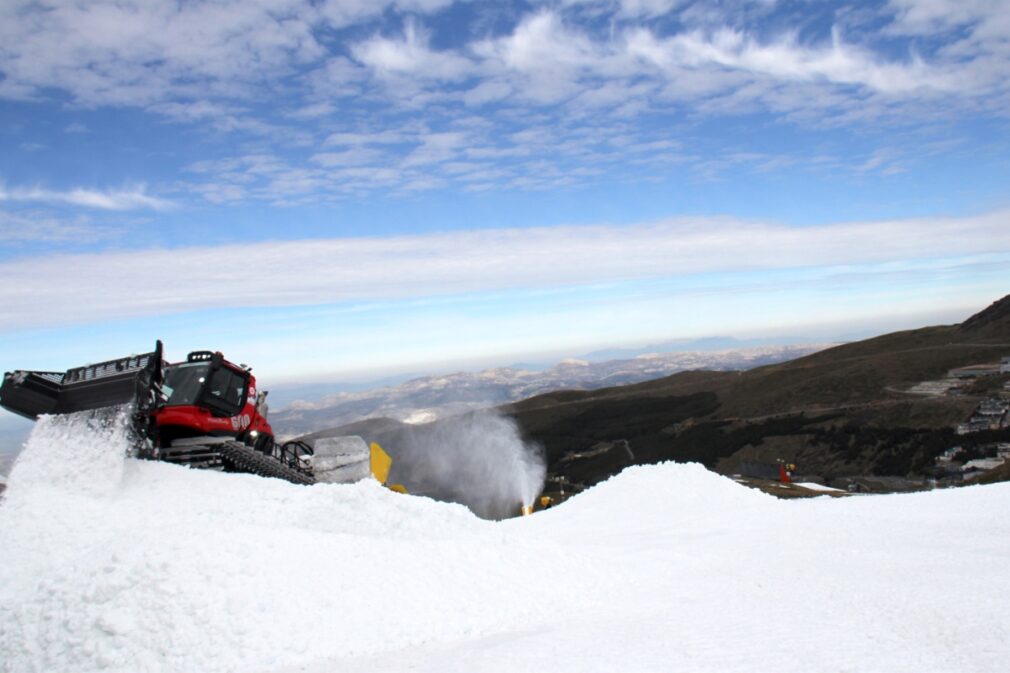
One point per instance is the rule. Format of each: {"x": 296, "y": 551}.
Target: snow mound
{"x": 667, "y": 492}
{"x": 115, "y": 564}
{"x": 654, "y": 502}
{"x": 677, "y": 486}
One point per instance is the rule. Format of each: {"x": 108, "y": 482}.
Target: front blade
{"x": 123, "y": 381}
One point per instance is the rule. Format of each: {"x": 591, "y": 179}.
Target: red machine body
{"x": 207, "y": 395}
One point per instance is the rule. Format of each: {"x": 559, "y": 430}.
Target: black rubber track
{"x": 247, "y": 459}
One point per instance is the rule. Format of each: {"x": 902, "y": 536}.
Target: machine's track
{"x": 247, "y": 459}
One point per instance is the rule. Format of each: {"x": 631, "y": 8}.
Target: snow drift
{"x": 112, "y": 564}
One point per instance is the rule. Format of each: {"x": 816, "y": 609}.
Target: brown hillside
{"x": 995, "y": 317}
{"x": 837, "y": 412}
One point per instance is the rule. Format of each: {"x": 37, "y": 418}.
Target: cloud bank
{"x": 129, "y": 198}
{"x": 69, "y": 289}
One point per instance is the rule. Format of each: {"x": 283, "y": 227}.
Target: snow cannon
{"x": 204, "y": 412}
{"x": 346, "y": 459}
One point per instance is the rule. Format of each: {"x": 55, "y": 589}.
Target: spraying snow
{"x": 478, "y": 459}
{"x": 140, "y": 566}
{"x": 92, "y": 446}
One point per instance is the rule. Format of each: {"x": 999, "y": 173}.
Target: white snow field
{"x": 114, "y": 564}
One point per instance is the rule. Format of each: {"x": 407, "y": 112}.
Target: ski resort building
{"x": 991, "y": 414}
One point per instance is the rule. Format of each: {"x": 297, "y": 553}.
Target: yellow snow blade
{"x": 380, "y": 463}
{"x": 399, "y": 488}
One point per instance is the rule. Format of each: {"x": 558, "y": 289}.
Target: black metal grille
{"x": 105, "y": 369}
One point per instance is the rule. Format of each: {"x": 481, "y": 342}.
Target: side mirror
{"x": 215, "y": 361}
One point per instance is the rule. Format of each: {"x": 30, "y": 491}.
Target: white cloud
{"x": 192, "y": 111}
{"x": 127, "y": 198}
{"x": 543, "y": 59}
{"x": 487, "y": 92}
{"x": 313, "y": 111}
{"x": 546, "y": 60}
{"x": 417, "y": 266}
{"x": 385, "y": 137}
{"x": 788, "y": 60}
{"x": 107, "y": 51}
{"x": 341, "y": 13}
{"x": 18, "y": 228}
{"x": 648, "y": 7}
{"x": 886, "y": 161}
{"x": 217, "y": 192}
{"x": 436, "y": 148}
{"x": 411, "y": 56}
{"x": 929, "y": 16}
{"x": 352, "y": 157}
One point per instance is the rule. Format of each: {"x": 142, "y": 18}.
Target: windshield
{"x": 184, "y": 381}
{"x": 226, "y": 392}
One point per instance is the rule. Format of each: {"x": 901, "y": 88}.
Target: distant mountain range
{"x": 427, "y": 398}
{"x": 284, "y": 394}
{"x": 702, "y": 345}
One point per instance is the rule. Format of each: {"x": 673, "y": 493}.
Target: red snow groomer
{"x": 204, "y": 412}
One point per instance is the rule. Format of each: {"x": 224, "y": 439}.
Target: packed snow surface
{"x": 814, "y": 486}
{"x": 113, "y": 564}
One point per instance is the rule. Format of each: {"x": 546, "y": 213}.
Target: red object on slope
{"x": 784, "y": 476}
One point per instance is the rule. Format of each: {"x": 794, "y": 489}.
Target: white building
{"x": 982, "y": 464}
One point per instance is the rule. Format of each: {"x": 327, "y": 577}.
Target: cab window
{"x": 183, "y": 382}
{"x": 225, "y": 391}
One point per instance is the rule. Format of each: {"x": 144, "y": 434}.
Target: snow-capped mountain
{"x": 430, "y": 397}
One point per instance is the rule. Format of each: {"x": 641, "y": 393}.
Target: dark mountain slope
{"x": 993, "y": 319}
{"x": 837, "y": 412}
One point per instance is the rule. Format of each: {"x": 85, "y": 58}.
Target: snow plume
{"x": 82, "y": 452}
{"x": 479, "y": 460}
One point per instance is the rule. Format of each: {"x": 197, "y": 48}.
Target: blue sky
{"x": 333, "y": 190}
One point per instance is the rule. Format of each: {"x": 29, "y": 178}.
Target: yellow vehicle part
{"x": 380, "y": 464}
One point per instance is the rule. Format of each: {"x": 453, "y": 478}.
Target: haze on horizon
{"x": 350, "y": 189}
